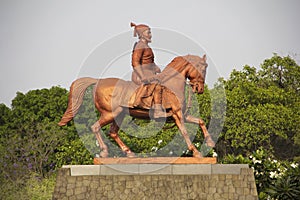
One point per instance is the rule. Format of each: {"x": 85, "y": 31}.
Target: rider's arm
{"x": 136, "y": 61}
{"x": 157, "y": 69}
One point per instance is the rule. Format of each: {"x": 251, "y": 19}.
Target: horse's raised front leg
{"x": 201, "y": 123}
{"x": 178, "y": 117}
{"x": 113, "y": 132}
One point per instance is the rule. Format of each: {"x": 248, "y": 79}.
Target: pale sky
{"x": 47, "y": 43}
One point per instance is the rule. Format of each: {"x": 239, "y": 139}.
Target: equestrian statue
{"x": 152, "y": 94}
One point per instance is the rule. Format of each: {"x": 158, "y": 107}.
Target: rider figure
{"x": 143, "y": 64}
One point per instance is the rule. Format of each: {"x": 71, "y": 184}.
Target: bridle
{"x": 193, "y": 84}
{"x": 196, "y": 82}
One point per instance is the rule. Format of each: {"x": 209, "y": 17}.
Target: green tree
{"x": 282, "y": 71}
{"x": 263, "y": 109}
{"x": 31, "y": 140}
{"x": 32, "y": 145}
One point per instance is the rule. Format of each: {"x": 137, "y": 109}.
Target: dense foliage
{"x": 261, "y": 128}
{"x": 274, "y": 179}
{"x": 263, "y": 110}
{"x": 32, "y": 146}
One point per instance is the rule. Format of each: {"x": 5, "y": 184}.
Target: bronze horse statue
{"x": 108, "y": 91}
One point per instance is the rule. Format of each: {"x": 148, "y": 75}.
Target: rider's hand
{"x": 154, "y": 79}
{"x": 146, "y": 80}
{"x": 150, "y": 79}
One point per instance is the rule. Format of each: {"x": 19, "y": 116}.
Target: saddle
{"x": 145, "y": 94}
{"x": 141, "y": 96}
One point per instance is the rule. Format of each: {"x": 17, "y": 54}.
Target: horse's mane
{"x": 182, "y": 61}
{"x": 172, "y": 69}
{"x": 176, "y": 63}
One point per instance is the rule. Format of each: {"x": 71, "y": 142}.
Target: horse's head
{"x": 183, "y": 67}
{"x": 196, "y": 72}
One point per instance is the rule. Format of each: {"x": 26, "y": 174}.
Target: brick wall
{"x": 165, "y": 182}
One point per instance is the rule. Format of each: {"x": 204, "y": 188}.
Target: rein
{"x": 190, "y": 92}
{"x": 189, "y": 101}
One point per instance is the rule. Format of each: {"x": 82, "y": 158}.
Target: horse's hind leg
{"x": 113, "y": 132}
{"x": 178, "y": 117}
{"x": 96, "y": 130}
{"x": 201, "y": 123}
{"x": 104, "y": 120}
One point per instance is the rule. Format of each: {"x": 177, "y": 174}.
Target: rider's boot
{"x": 159, "y": 111}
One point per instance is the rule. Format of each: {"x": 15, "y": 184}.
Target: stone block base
{"x": 155, "y": 160}
{"x": 156, "y": 181}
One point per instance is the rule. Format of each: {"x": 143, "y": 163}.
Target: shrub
{"x": 274, "y": 179}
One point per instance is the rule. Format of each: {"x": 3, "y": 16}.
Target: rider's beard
{"x": 146, "y": 39}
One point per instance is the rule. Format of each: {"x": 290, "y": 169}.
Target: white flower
{"x": 273, "y": 175}
{"x": 186, "y": 152}
{"x": 251, "y": 157}
{"x": 215, "y": 154}
{"x": 282, "y": 169}
{"x": 256, "y": 161}
{"x": 294, "y": 165}
{"x": 154, "y": 149}
{"x": 274, "y": 161}
{"x": 159, "y": 141}
{"x": 261, "y": 173}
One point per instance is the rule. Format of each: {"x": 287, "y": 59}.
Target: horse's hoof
{"x": 197, "y": 155}
{"x": 130, "y": 154}
{"x": 209, "y": 142}
{"x": 103, "y": 154}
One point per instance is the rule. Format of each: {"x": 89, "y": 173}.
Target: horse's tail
{"x": 77, "y": 91}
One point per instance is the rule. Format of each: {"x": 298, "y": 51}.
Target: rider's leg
{"x": 157, "y": 99}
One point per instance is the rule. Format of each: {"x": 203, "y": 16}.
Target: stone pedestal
{"x": 156, "y": 181}
{"x": 155, "y": 160}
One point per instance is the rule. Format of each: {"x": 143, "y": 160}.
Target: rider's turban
{"x": 139, "y": 29}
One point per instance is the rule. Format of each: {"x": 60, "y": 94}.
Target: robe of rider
{"x": 142, "y": 55}
{"x": 143, "y": 58}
